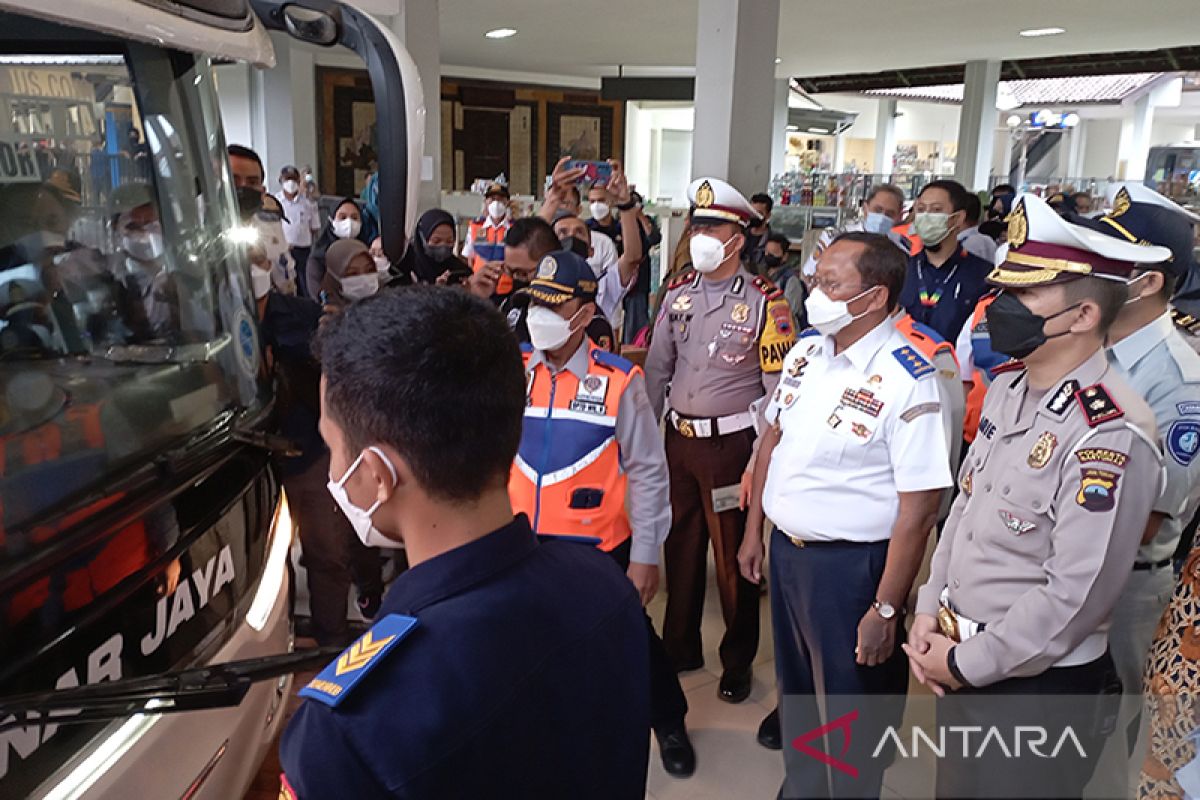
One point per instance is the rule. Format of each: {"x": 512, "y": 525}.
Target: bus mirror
{"x": 310, "y": 25}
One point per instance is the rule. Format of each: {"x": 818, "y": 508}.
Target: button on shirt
{"x": 1164, "y": 370}
{"x": 303, "y": 220}
{"x": 950, "y": 291}
{"x": 857, "y": 428}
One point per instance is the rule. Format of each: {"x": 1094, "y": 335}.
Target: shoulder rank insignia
{"x": 809, "y": 332}
{"x": 683, "y": 277}
{"x": 1185, "y": 322}
{"x": 333, "y": 683}
{"x": 912, "y": 361}
{"x": 1097, "y": 406}
{"x": 613, "y": 361}
{"x": 768, "y": 289}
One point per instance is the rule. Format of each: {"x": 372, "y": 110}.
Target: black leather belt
{"x": 1145, "y": 566}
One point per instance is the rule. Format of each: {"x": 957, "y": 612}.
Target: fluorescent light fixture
{"x": 1033, "y": 33}
{"x": 793, "y": 127}
{"x": 1071, "y": 120}
{"x": 778, "y": 60}
{"x": 818, "y": 130}
{"x": 275, "y": 569}
{"x": 501, "y": 33}
{"x": 1013, "y": 120}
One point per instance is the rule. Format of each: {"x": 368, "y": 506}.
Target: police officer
{"x": 851, "y": 471}
{"x": 501, "y": 663}
{"x": 591, "y": 461}
{"x": 1055, "y": 494}
{"x": 1152, "y": 355}
{"x": 719, "y": 342}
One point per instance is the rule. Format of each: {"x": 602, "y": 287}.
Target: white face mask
{"x": 875, "y": 222}
{"x": 260, "y": 281}
{"x": 829, "y": 316}
{"x": 360, "y": 519}
{"x": 599, "y": 209}
{"x": 547, "y": 330}
{"x": 346, "y": 227}
{"x": 356, "y": 287}
{"x": 382, "y": 264}
{"x": 497, "y": 209}
{"x": 708, "y": 252}
{"x": 146, "y": 245}
{"x": 1129, "y": 285}
{"x": 291, "y": 186}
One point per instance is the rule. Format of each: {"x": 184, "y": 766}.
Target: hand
{"x": 750, "y": 555}
{"x": 744, "y": 488}
{"x": 932, "y": 667}
{"x": 618, "y": 184}
{"x": 443, "y": 279}
{"x": 876, "y": 639}
{"x": 562, "y": 177}
{"x": 483, "y": 283}
{"x": 645, "y": 579}
{"x": 923, "y": 627}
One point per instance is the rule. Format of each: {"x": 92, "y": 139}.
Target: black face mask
{"x": 772, "y": 261}
{"x": 249, "y": 200}
{"x": 1015, "y": 330}
{"x": 576, "y": 245}
{"x": 440, "y": 252}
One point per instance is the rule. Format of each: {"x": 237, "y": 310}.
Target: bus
{"x": 144, "y": 536}
{"x": 1174, "y": 170}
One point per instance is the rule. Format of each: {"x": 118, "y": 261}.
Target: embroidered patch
{"x": 740, "y": 313}
{"x": 1042, "y": 450}
{"x": 1097, "y": 489}
{"x": 1014, "y": 524}
{"x": 333, "y": 683}
{"x": 912, "y": 361}
{"x": 920, "y": 410}
{"x": 682, "y": 303}
{"x": 1100, "y": 455}
{"x": 1191, "y": 407}
{"x": 987, "y": 428}
{"x": 593, "y": 388}
{"x": 1183, "y": 441}
{"x": 1097, "y": 406}
{"x": 1061, "y": 400}
{"x": 547, "y": 269}
{"x": 781, "y": 315}
{"x": 798, "y": 366}
{"x": 862, "y": 400}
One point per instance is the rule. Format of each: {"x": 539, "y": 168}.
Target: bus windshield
{"x": 126, "y": 321}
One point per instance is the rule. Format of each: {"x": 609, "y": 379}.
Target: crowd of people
{"x": 1003, "y": 373}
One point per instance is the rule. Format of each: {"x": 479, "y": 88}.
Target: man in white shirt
{"x": 881, "y": 210}
{"x": 851, "y": 471}
{"x": 301, "y": 220}
{"x": 974, "y": 242}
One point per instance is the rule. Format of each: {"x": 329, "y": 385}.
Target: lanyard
{"x": 927, "y": 299}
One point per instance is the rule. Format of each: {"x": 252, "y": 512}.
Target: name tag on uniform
{"x": 726, "y": 498}
{"x": 589, "y": 397}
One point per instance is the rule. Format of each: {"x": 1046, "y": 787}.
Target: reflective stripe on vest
{"x": 567, "y": 475}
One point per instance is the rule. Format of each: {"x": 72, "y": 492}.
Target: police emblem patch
{"x": 740, "y": 313}
{"x": 1097, "y": 489}
{"x": 547, "y": 269}
{"x": 1018, "y": 226}
{"x": 590, "y": 396}
{"x": 705, "y": 196}
{"x": 1121, "y": 203}
{"x": 1183, "y": 441}
{"x": 1042, "y": 450}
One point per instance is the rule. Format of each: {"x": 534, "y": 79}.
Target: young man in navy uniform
{"x": 501, "y": 665}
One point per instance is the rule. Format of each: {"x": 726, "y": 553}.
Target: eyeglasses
{"x": 834, "y": 288}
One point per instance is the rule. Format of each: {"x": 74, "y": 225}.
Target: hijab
{"x": 337, "y": 260}
{"x": 418, "y": 262}
{"x": 328, "y": 237}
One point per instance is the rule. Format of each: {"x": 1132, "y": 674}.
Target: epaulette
{"x": 809, "y": 332}
{"x": 1185, "y": 322}
{"x": 769, "y": 290}
{"x": 526, "y": 347}
{"x": 927, "y": 332}
{"x": 682, "y": 278}
{"x": 912, "y": 361}
{"x": 612, "y": 361}
{"x": 590, "y": 541}
{"x": 340, "y": 676}
{"x": 1008, "y": 366}
{"x": 1097, "y": 405}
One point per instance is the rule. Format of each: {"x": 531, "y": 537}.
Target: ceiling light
{"x": 818, "y": 130}
{"x": 778, "y": 60}
{"x": 501, "y": 33}
{"x": 1033, "y": 33}
{"x": 1013, "y": 120}
{"x": 793, "y": 127}
{"x": 1071, "y": 120}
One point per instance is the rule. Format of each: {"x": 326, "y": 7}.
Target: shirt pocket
{"x": 846, "y": 438}
{"x": 1024, "y": 511}
{"x": 733, "y": 351}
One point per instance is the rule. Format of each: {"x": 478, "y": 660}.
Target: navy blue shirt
{"x": 950, "y": 291}
{"x": 526, "y": 676}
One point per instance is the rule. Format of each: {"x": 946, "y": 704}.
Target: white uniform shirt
{"x": 857, "y": 428}
{"x": 303, "y": 220}
{"x": 610, "y": 293}
{"x": 977, "y": 244}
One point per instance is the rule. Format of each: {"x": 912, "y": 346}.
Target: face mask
{"x": 599, "y": 210}
{"x": 382, "y": 264}
{"x": 1015, "y": 330}
{"x": 576, "y": 245}
{"x": 772, "y": 261}
{"x": 708, "y": 252}
{"x": 291, "y": 186}
{"x": 829, "y": 316}
{"x": 875, "y": 222}
{"x": 346, "y": 227}
{"x": 1129, "y": 284}
{"x": 440, "y": 252}
{"x": 360, "y": 518}
{"x": 931, "y": 226}
{"x": 497, "y": 209}
{"x": 260, "y": 282}
{"x": 144, "y": 246}
{"x": 547, "y": 330}
{"x": 356, "y": 287}
{"x": 249, "y": 200}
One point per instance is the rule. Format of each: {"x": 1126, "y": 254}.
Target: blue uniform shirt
{"x": 950, "y": 291}
{"x": 527, "y": 675}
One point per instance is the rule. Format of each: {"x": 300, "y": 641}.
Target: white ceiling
{"x": 815, "y": 37}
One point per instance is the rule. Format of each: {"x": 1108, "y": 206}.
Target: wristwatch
{"x": 884, "y": 609}
{"x": 630, "y": 206}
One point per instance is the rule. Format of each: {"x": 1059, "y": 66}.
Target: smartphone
{"x": 595, "y": 171}
{"x": 490, "y": 252}
{"x": 324, "y": 296}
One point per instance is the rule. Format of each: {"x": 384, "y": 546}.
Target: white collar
{"x": 1134, "y": 347}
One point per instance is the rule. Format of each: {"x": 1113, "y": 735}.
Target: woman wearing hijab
{"x": 345, "y": 224}
{"x": 350, "y": 273}
{"x": 430, "y": 258}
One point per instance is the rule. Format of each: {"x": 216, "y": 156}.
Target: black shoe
{"x": 368, "y": 605}
{"x": 735, "y": 685}
{"x": 769, "y": 735}
{"x": 678, "y": 757}
{"x": 689, "y": 666}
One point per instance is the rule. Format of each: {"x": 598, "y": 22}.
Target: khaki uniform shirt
{"x": 1056, "y": 491}
{"x": 719, "y": 352}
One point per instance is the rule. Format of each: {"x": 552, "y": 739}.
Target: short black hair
{"x": 765, "y": 199}
{"x": 959, "y": 196}
{"x": 434, "y": 373}
{"x": 974, "y": 209}
{"x": 534, "y": 234}
{"x": 1109, "y": 294}
{"x": 1077, "y": 195}
{"x": 288, "y": 169}
{"x": 241, "y": 151}
{"x": 1003, "y": 188}
{"x": 781, "y": 240}
{"x": 880, "y": 263}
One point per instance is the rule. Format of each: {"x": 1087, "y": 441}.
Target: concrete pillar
{"x": 735, "y": 92}
{"x": 1076, "y": 147}
{"x": 417, "y": 27}
{"x": 839, "y": 152}
{"x": 272, "y": 126}
{"x": 885, "y": 136}
{"x": 977, "y": 123}
{"x": 779, "y": 122}
{"x": 1139, "y": 144}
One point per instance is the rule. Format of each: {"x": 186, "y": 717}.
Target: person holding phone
{"x": 485, "y": 235}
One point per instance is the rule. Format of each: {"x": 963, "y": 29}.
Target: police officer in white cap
{"x": 719, "y": 343}
{"x": 1055, "y": 494}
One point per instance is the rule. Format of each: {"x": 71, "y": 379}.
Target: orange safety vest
{"x": 482, "y": 234}
{"x": 915, "y": 245}
{"x": 567, "y": 477}
{"x": 924, "y": 338}
{"x": 984, "y": 360}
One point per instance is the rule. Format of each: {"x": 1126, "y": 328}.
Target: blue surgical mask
{"x": 876, "y": 222}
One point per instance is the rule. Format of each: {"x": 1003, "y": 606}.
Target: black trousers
{"x": 300, "y": 256}
{"x": 668, "y": 705}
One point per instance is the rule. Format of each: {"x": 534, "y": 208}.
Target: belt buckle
{"x": 685, "y": 428}
{"x": 948, "y": 623}
{"x": 798, "y": 543}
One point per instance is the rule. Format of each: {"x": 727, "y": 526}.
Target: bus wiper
{"x": 213, "y": 686}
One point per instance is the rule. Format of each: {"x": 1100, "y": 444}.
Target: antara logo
{"x": 842, "y": 724}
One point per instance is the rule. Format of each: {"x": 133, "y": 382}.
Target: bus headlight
{"x": 279, "y": 545}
